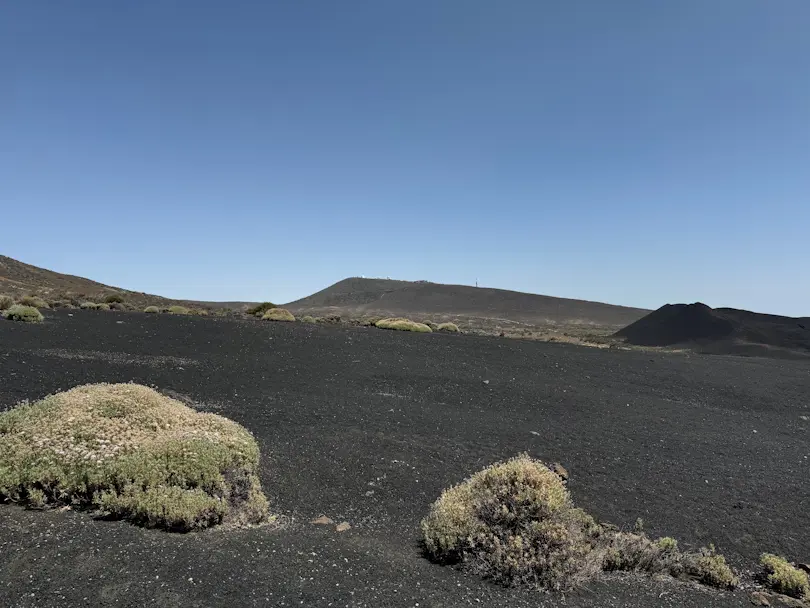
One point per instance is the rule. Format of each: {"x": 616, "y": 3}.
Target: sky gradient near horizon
{"x": 631, "y": 152}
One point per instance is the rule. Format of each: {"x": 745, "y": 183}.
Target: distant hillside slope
{"x": 19, "y": 279}
{"x": 720, "y": 330}
{"x": 385, "y": 296}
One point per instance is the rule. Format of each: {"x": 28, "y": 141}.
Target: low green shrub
{"x": 114, "y": 298}
{"x": 278, "y": 314}
{"x": 783, "y": 577}
{"x": 118, "y": 306}
{"x": 308, "y": 319}
{"x": 131, "y": 453}
{"x": 88, "y": 306}
{"x": 447, "y": 327}
{"x": 514, "y": 522}
{"x": 403, "y": 325}
{"x": 711, "y": 569}
{"x": 151, "y": 309}
{"x": 178, "y": 310}
{"x": 26, "y": 314}
{"x": 34, "y": 301}
{"x": 102, "y": 306}
{"x": 260, "y": 309}
{"x": 6, "y": 302}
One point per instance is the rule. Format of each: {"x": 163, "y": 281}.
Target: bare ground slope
{"x": 20, "y": 279}
{"x": 368, "y": 426}
{"x": 355, "y": 296}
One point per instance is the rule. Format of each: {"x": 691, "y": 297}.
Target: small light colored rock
{"x": 342, "y": 527}
{"x": 486, "y": 381}
{"x": 560, "y": 470}
{"x": 323, "y": 520}
{"x": 760, "y": 599}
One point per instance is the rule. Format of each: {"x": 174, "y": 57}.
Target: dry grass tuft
{"x": 102, "y": 306}
{"x": 448, "y": 327}
{"x": 278, "y": 314}
{"x": 6, "y": 302}
{"x": 88, "y": 306}
{"x": 514, "y": 522}
{"x": 151, "y": 309}
{"x": 26, "y": 314}
{"x": 131, "y": 453}
{"x": 114, "y": 298}
{"x": 178, "y": 310}
{"x": 34, "y": 301}
{"x": 308, "y": 319}
{"x": 783, "y": 577}
{"x": 402, "y": 325}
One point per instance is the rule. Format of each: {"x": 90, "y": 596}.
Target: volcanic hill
{"x": 720, "y": 330}
{"x": 20, "y": 279}
{"x": 358, "y": 296}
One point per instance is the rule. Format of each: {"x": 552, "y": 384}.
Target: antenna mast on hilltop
{"x": 476, "y": 281}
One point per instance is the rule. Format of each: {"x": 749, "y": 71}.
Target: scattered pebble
{"x": 343, "y": 527}
{"x": 323, "y": 520}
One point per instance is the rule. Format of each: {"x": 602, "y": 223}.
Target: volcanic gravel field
{"x": 368, "y": 426}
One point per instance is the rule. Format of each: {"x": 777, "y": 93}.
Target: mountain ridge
{"x": 358, "y": 295}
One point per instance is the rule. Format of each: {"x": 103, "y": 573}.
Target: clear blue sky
{"x": 635, "y": 152}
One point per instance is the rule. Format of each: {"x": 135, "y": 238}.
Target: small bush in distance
{"x": 151, "y": 309}
{"x": 431, "y": 325}
{"x": 308, "y": 319}
{"x": 403, "y": 325}
{"x": 88, "y": 306}
{"x": 131, "y": 453}
{"x": 329, "y": 319}
{"x": 34, "y": 301}
{"x": 448, "y": 327}
{"x": 102, "y": 306}
{"x": 198, "y": 312}
{"x": 6, "y": 302}
{"x": 178, "y": 310}
{"x": 118, "y": 306}
{"x": 260, "y": 309}
{"x": 783, "y": 577}
{"x": 278, "y": 314}
{"x": 114, "y": 298}
{"x": 26, "y": 314}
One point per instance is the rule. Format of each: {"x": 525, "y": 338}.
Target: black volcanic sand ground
{"x": 368, "y": 426}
